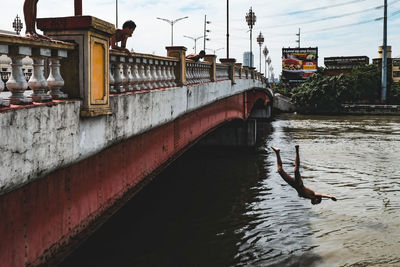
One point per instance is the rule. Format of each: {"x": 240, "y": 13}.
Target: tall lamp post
{"x": 214, "y": 50}
{"x": 260, "y": 41}
{"x": 251, "y": 20}
{"x": 269, "y": 65}
{"x": 116, "y": 14}
{"x": 265, "y": 52}
{"x": 172, "y": 22}
{"x": 17, "y": 25}
{"x": 384, "y": 56}
{"x": 195, "y": 39}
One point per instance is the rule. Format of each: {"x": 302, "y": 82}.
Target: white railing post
{"x": 3, "y": 51}
{"x": 17, "y": 83}
{"x": 111, "y": 78}
{"x": 38, "y": 82}
{"x": 131, "y": 78}
{"x": 55, "y": 81}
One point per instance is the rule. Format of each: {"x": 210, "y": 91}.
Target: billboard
{"x": 299, "y": 63}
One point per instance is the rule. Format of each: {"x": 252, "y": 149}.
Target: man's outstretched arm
{"x": 325, "y": 196}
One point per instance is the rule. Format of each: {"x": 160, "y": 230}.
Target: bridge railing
{"x": 45, "y": 80}
{"x": 140, "y": 72}
{"x": 222, "y": 72}
{"x": 123, "y": 72}
{"x": 197, "y": 72}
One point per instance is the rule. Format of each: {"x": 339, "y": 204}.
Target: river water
{"x": 229, "y": 208}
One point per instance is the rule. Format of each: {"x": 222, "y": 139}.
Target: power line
{"x": 330, "y": 18}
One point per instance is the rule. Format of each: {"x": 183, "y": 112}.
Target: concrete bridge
{"x": 97, "y": 125}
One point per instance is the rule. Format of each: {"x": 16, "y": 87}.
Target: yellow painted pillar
{"x": 179, "y": 52}
{"x": 86, "y": 71}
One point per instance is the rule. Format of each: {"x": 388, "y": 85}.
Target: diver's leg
{"x": 282, "y": 173}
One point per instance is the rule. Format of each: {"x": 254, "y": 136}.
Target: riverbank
{"x": 352, "y": 109}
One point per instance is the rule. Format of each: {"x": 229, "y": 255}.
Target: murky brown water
{"x": 224, "y": 208}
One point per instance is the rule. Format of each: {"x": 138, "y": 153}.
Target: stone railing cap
{"x": 19, "y": 40}
{"x": 148, "y": 56}
{"x": 75, "y": 23}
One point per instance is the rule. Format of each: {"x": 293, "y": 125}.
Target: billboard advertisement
{"x": 299, "y": 63}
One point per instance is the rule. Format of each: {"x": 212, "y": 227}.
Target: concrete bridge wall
{"x": 45, "y": 138}
{"x": 98, "y": 163}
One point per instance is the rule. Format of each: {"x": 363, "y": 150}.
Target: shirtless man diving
{"x": 297, "y": 182}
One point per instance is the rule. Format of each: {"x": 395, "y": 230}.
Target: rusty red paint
{"x": 42, "y": 218}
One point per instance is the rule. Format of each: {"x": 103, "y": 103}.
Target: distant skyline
{"x": 337, "y": 28}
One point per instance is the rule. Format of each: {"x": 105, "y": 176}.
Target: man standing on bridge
{"x": 297, "y": 182}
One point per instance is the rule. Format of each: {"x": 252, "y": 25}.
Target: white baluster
{"x": 189, "y": 73}
{"x": 112, "y": 89}
{"x": 17, "y": 83}
{"x": 117, "y": 75}
{"x": 124, "y": 80}
{"x": 149, "y": 77}
{"x": 168, "y": 69}
{"x": 3, "y": 51}
{"x": 55, "y": 81}
{"x": 38, "y": 82}
{"x": 131, "y": 78}
{"x": 143, "y": 78}
{"x": 172, "y": 73}
{"x": 154, "y": 79}
{"x": 165, "y": 75}
{"x": 136, "y": 76}
{"x": 160, "y": 76}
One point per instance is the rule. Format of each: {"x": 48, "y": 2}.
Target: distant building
{"x": 246, "y": 59}
{"x": 343, "y": 65}
{"x": 393, "y": 64}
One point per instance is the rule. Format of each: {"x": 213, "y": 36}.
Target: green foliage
{"x": 325, "y": 94}
{"x": 394, "y": 94}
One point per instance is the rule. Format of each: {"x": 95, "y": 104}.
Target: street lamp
{"x": 265, "y": 52}
{"x": 17, "y": 25}
{"x": 269, "y": 65}
{"x": 172, "y": 22}
{"x": 195, "y": 41}
{"x": 214, "y": 50}
{"x": 251, "y": 20}
{"x": 260, "y": 41}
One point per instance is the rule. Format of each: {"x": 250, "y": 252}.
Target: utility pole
{"x": 205, "y": 31}
{"x": 384, "y": 56}
{"x": 298, "y": 39}
{"x": 227, "y": 29}
{"x": 116, "y": 14}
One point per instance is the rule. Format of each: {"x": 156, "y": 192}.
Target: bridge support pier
{"x": 236, "y": 134}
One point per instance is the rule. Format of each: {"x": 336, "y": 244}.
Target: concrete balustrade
{"x": 3, "y": 103}
{"x": 136, "y": 72}
{"x": 44, "y": 89}
{"x": 55, "y": 81}
{"x": 222, "y": 72}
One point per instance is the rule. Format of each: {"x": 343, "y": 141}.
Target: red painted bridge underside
{"x": 48, "y": 216}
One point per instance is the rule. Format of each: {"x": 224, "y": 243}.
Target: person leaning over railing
{"x": 196, "y": 57}
{"x": 122, "y": 36}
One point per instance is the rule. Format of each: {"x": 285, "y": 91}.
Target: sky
{"x": 336, "y": 27}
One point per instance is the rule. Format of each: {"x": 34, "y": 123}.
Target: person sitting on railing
{"x": 196, "y": 57}
{"x": 30, "y": 11}
{"x": 122, "y": 36}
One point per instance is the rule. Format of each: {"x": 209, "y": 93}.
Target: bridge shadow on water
{"x": 212, "y": 207}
